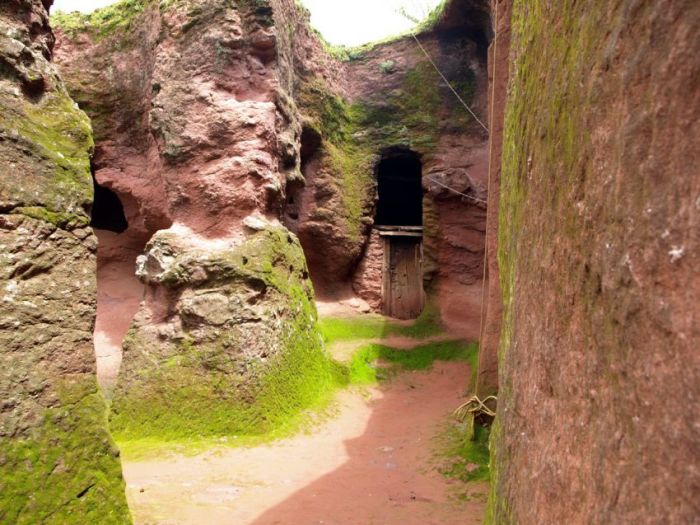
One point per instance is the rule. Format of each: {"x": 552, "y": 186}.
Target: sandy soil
{"x": 373, "y": 463}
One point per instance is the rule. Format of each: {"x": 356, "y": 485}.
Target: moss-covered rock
{"x": 240, "y": 354}
{"x": 51, "y": 139}
{"x": 57, "y": 461}
{"x": 66, "y": 469}
{"x": 58, "y": 464}
{"x": 598, "y": 262}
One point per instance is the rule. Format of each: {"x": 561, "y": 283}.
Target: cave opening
{"x": 107, "y": 210}
{"x": 400, "y": 190}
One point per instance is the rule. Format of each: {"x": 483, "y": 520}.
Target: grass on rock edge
{"x": 461, "y": 458}
{"x": 335, "y": 329}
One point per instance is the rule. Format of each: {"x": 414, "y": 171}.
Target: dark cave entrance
{"x": 107, "y": 210}
{"x": 400, "y": 190}
{"x": 399, "y": 221}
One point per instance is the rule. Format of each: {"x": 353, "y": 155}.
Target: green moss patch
{"x": 67, "y": 471}
{"x": 374, "y": 362}
{"x": 362, "y": 327}
{"x": 58, "y": 137}
{"x": 460, "y": 457}
{"x": 253, "y": 376}
{"x": 186, "y": 398}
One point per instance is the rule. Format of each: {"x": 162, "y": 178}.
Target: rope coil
{"x": 476, "y": 407}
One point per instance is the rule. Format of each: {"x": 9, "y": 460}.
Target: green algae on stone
{"x": 57, "y": 137}
{"x": 250, "y": 368}
{"x": 67, "y": 470}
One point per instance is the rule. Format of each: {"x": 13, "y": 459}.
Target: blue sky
{"x": 340, "y": 22}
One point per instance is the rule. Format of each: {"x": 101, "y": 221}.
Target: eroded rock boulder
{"x": 204, "y": 136}
{"x": 225, "y": 342}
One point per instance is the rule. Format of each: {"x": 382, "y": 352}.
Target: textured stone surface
{"x": 391, "y": 97}
{"x": 57, "y": 461}
{"x": 199, "y": 135}
{"x": 225, "y": 342}
{"x": 367, "y": 280}
{"x": 492, "y": 302}
{"x": 599, "y": 401}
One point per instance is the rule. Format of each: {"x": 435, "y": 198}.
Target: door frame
{"x": 387, "y": 233}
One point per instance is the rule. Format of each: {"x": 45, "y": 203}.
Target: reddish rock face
{"x": 599, "y": 406}
{"x": 391, "y": 100}
{"x": 198, "y": 135}
{"x": 492, "y": 305}
{"x": 398, "y": 79}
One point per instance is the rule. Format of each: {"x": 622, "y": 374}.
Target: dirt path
{"x": 369, "y": 465}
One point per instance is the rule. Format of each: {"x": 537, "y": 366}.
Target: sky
{"x": 339, "y": 21}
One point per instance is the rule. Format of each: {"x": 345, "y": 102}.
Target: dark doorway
{"x": 107, "y": 211}
{"x": 400, "y": 190}
{"x": 399, "y": 221}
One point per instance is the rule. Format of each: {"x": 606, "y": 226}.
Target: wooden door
{"x": 403, "y": 277}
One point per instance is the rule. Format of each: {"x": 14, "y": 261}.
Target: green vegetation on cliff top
{"x": 350, "y": 53}
{"x": 102, "y": 22}
{"x": 119, "y": 17}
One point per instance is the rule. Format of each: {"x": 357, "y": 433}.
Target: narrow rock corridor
{"x": 258, "y": 267}
{"x": 373, "y": 459}
{"x": 379, "y": 453}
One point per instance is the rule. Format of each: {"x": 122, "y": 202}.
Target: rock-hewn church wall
{"x": 196, "y": 125}
{"x": 599, "y": 397}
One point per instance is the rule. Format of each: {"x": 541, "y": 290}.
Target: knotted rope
{"x": 476, "y": 407}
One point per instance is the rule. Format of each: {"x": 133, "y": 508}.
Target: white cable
{"x": 448, "y": 82}
{"x": 457, "y": 192}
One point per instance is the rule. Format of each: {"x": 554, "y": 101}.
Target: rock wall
{"x": 598, "y": 248}
{"x": 58, "y": 463}
{"x": 197, "y": 129}
{"x": 390, "y": 98}
{"x": 216, "y": 123}
{"x": 492, "y": 302}
{"x": 367, "y": 280}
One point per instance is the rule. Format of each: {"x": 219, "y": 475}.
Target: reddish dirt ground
{"x": 373, "y": 463}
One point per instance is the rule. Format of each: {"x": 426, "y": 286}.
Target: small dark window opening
{"x": 107, "y": 211}
{"x": 310, "y": 143}
{"x": 400, "y": 190}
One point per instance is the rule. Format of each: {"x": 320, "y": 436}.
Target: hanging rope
{"x": 476, "y": 407}
{"x": 480, "y": 201}
{"x": 405, "y": 14}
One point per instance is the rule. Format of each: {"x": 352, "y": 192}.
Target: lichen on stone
{"x": 66, "y": 471}
{"x": 247, "y": 366}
